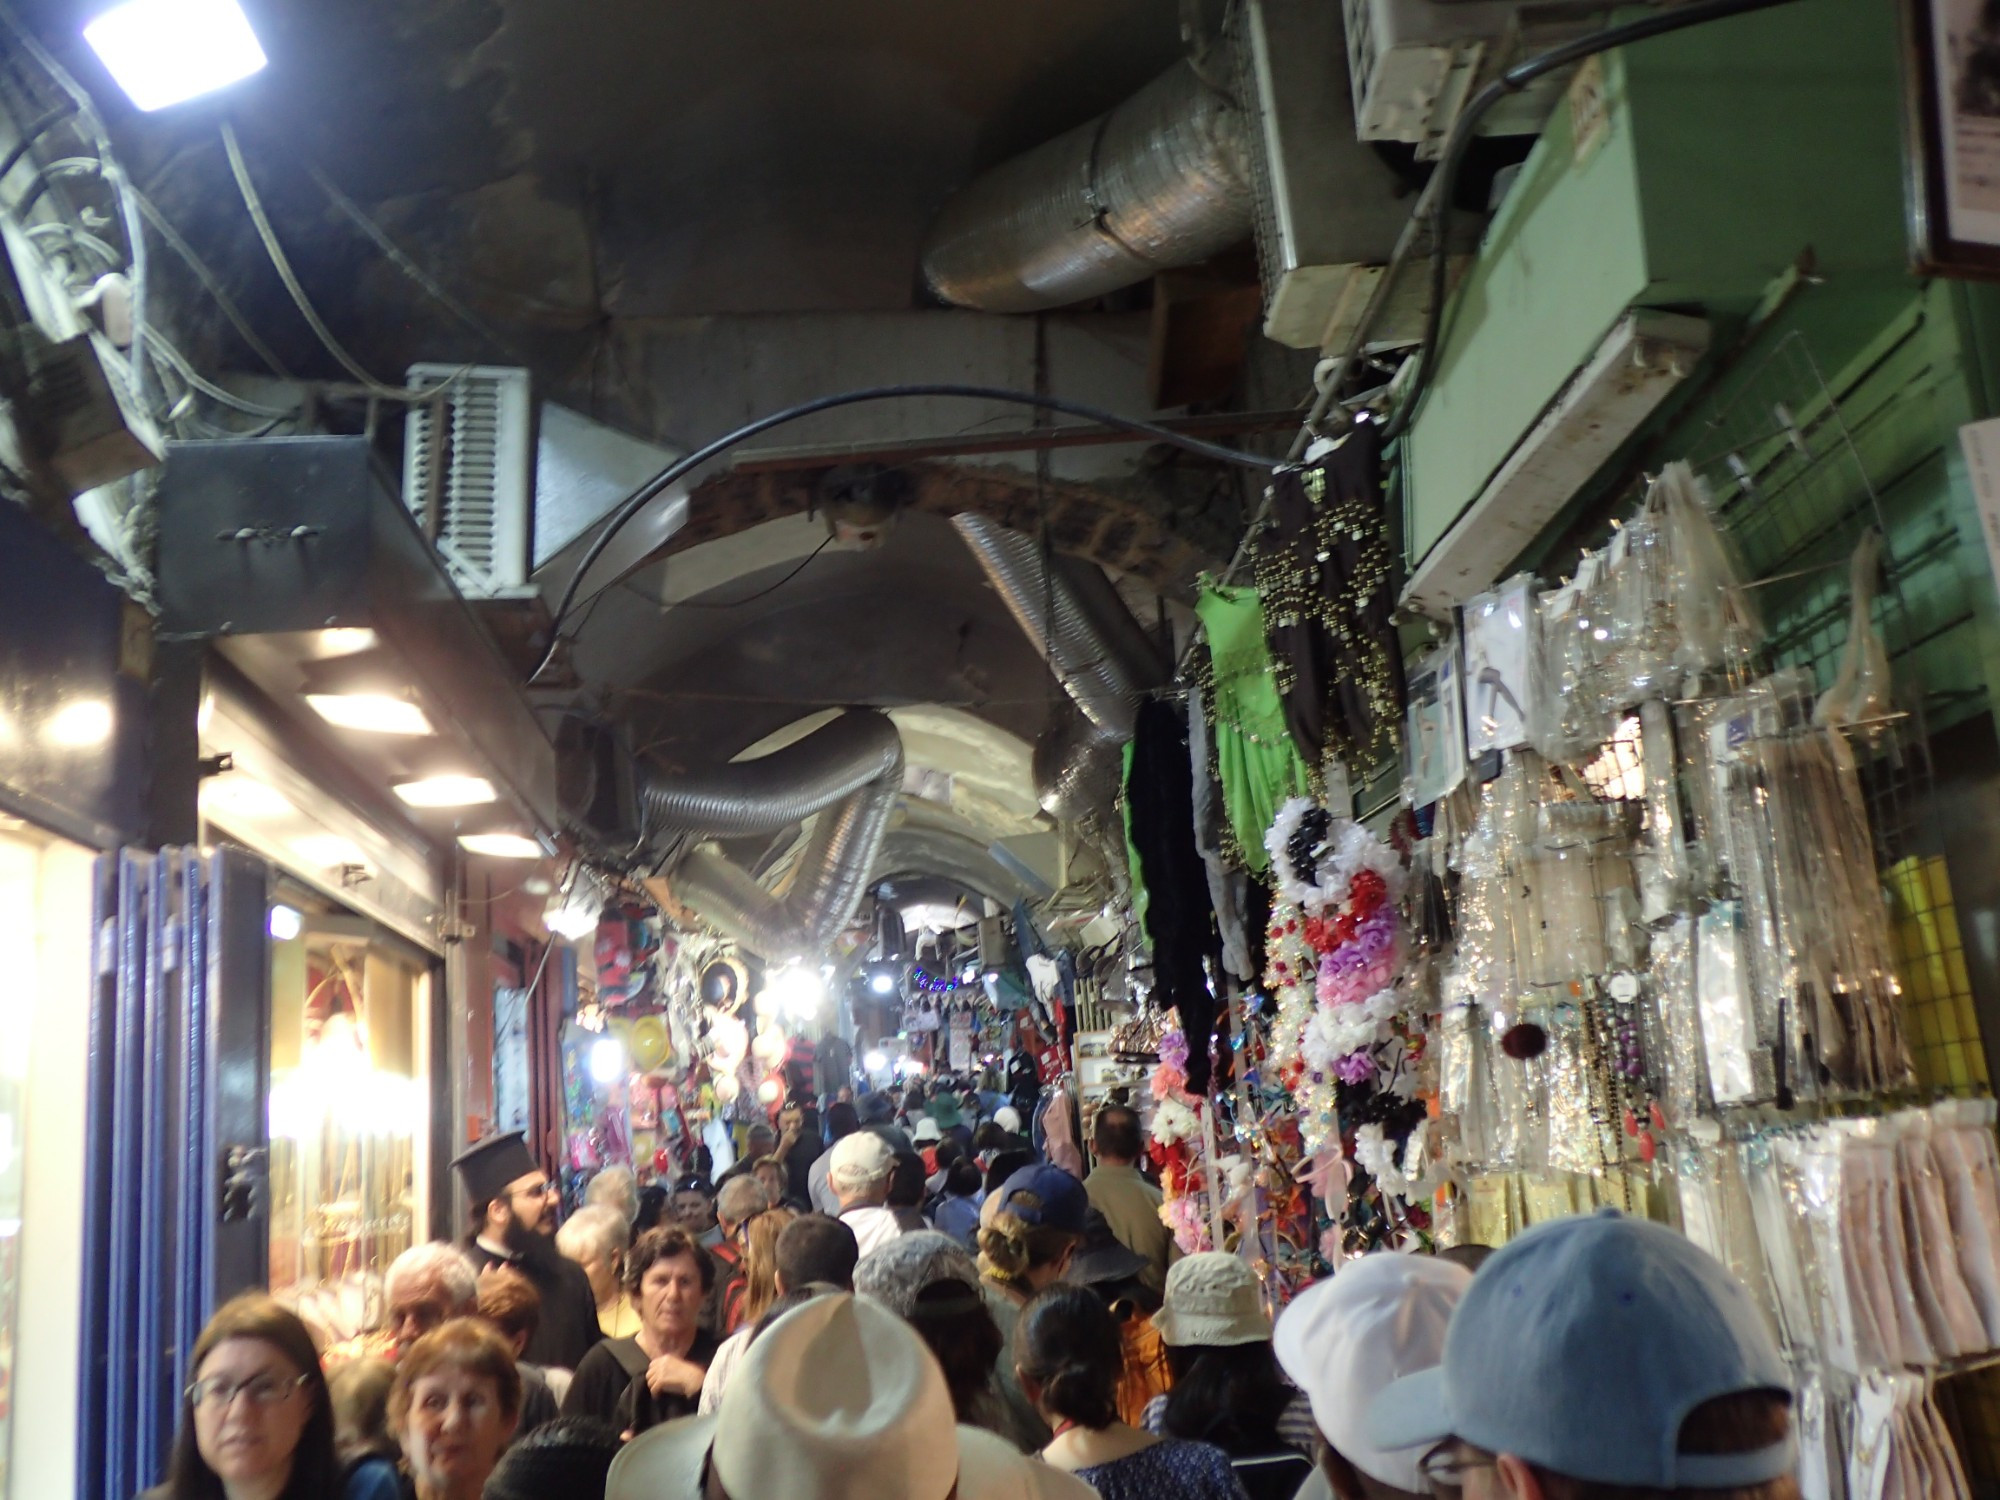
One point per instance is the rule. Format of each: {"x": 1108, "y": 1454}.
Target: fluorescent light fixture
{"x": 371, "y": 713}
{"x": 165, "y": 52}
{"x": 79, "y": 724}
{"x": 285, "y": 923}
{"x": 446, "y": 791}
{"x": 345, "y": 640}
{"x": 1642, "y": 359}
{"x": 607, "y": 1060}
{"x": 501, "y": 845}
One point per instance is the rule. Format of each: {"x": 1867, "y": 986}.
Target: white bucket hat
{"x": 837, "y": 1400}
{"x": 1213, "y": 1300}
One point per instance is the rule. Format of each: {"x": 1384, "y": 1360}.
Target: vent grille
{"x": 468, "y": 474}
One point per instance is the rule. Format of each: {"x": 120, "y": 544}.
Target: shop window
{"x": 348, "y": 1110}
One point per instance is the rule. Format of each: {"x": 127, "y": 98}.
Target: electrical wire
{"x": 210, "y": 283}
{"x": 401, "y": 260}
{"x": 282, "y": 264}
{"x": 762, "y": 593}
{"x": 681, "y": 468}
{"x": 179, "y": 363}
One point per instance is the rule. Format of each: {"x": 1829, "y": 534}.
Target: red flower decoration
{"x": 1365, "y": 895}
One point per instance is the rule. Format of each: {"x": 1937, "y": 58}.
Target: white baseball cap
{"x": 1344, "y": 1339}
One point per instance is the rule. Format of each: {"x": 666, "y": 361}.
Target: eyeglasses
{"x": 541, "y": 1190}
{"x": 219, "y": 1393}
{"x": 1444, "y": 1469}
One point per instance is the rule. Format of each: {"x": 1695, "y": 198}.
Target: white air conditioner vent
{"x": 468, "y": 474}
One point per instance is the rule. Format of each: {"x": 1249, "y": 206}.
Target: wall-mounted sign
{"x": 1954, "y": 99}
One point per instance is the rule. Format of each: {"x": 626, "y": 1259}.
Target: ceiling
{"x": 587, "y": 175}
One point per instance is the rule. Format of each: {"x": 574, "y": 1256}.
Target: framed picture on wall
{"x": 1954, "y": 135}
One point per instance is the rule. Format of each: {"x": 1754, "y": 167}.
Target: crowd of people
{"x": 918, "y": 1303}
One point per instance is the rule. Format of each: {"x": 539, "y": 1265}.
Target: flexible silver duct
{"x": 780, "y": 789}
{"x": 849, "y": 771}
{"x": 1097, "y": 651}
{"x": 1163, "y": 180}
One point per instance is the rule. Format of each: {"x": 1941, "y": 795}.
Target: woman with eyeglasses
{"x": 454, "y": 1406}
{"x": 256, "y": 1423}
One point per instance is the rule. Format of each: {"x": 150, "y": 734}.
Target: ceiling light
{"x": 875, "y": 1061}
{"x": 79, "y": 724}
{"x": 372, "y": 713}
{"x": 165, "y": 52}
{"x": 367, "y": 691}
{"x": 446, "y": 791}
{"x": 345, "y": 640}
{"x": 882, "y": 984}
{"x": 795, "y": 991}
{"x": 501, "y": 845}
{"x": 286, "y": 923}
{"x": 573, "y": 912}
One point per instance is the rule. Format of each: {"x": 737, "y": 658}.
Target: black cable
{"x": 1513, "y": 81}
{"x": 804, "y": 563}
{"x": 33, "y": 133}
{"x": 681, "y": 468}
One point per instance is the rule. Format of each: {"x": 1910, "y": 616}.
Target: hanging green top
{"x": 1255, "y": 759}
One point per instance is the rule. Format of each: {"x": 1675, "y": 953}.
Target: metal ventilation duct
{"x": 1096, "y": 650}
{"x": 849, "y": 771}
{"x": 1163, "y": 180}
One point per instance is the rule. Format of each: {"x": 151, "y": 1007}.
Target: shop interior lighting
{"x": 164, "y": 52}
{"x": 501, "y": 845}
{"x": 447, "y": 790}
{"x": 235, "y": 794}
{"x": 286, "y": 923}
{"x": 875, "y": 1061}
{"x": 573, "y": 912}
{"x": 796, "y": 992}
{"x": 364, "y": 692}
{"x": 607, "y": 1059}
{"x": 78, "y": 724}
{"x": 882, "y": 982}
{"x": 329, "y": 851}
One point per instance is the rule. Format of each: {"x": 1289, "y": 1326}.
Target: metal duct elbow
{"x": 1104, "y": 660}
{"x": 849, "y": 771}
{"x": 1163, "y": 180}
{"x": 1095, "y": 668}
{"x": 780, "y": 789}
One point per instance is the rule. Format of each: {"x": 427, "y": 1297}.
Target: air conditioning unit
{"x": 1414, "y": 63}
{"x": 469, "y": 475}
{"x": 1328, "y": 207}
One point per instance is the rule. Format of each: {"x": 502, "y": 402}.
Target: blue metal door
{"x": 175, "y": 1217}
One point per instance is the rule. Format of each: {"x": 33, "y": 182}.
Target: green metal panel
{"x": 1730, "y": 151}
{"x": 1562, "y": 259}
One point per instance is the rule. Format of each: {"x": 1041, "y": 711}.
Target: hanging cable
{"x": 681, "y": 468}
{"x": 280, "y": 262}
{"x": 211, "y": 284}
{"x": 179, "y": 363}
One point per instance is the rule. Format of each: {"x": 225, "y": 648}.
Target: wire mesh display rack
{"x": 1789, "y": 485}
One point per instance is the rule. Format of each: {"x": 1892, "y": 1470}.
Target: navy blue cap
{"x": 1582, "y": 1347}
{"x": 1046, "y": 1196}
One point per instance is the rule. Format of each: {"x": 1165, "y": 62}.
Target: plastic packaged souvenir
{"x": 1497, "y": 656}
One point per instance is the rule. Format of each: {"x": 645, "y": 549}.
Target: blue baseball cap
{"x": 1048, "y": 1196}
{"x": 1582, "y": 1347}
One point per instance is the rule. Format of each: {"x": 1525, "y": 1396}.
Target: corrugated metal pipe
{"x": 1163, "y": 180}
{"x": 1097, "y": 651}
{"x": 849, "y": 771}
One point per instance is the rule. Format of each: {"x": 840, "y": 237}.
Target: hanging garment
{"x": 1159, "y": 795}
{"x": 1255, "y": 762}
{"x": 1324, "y": 572}
{"x": 1226, "y": 888}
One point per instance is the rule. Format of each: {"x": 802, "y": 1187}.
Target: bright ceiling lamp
{"x": 78, "y": 724}
{"x": 363, "y": 692}
{"x": 501, "y": 845}
{"x": 238, "y": 794}
{"x": 795, "y": 991}
{"x": 574, "y": 911}
{"x": 447, "y": 790}
{"x": 165, "y": 52}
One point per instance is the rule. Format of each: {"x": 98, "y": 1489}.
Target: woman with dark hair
{"x": 1069, "y": 1356}
{"x": 1227, "y": 1387}
{"x": 655, "y": 1375}
{"x": 256, "y": 1420}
